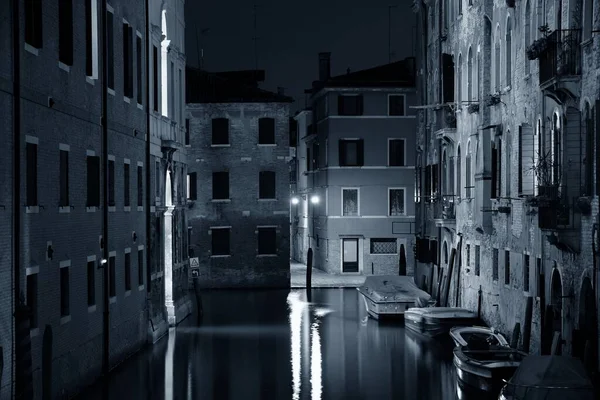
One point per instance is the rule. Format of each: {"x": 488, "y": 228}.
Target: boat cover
{"x": 443, "y": 312}
{"x": 550, "y": 377}
{"x": 392, "y": 288}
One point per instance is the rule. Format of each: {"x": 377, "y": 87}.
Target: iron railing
{"x": 561, "y": 56}
{"x": 443, "y": 207}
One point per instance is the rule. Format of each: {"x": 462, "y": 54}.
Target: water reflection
{"x": 276, "y": 345}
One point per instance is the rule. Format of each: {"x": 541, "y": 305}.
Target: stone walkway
{"x": 321, "y": 279}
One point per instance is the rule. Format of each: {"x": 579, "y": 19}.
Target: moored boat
{"x": 390, "y": 296}
{"x": 435, "y": 321}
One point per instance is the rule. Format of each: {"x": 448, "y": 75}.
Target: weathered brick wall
{"x": 244, "y": 159}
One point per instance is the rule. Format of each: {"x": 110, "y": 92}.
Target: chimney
{"x": 280, "y": 91}
{"x": 324, "y": 66}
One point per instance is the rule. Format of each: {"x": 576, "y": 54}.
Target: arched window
{"x": 164, "y": 70}
{"x": 459, "y": 81}
{"x": 556, "y": 148}
{"x": 444, "y": 173}
{"x": 458, "y": 174}
{"x": 508, "y": 51}
{"x": 468, "y": 171}
{"x": 508, "y": 163}
{"x": 477, "y": 74}
{"x": 588, "y": 19}
{"x": 497, "y": 62}
{"x": 470, "y": 75}
{"x": 536, "y": 153}
{"x": 527, "y": 27}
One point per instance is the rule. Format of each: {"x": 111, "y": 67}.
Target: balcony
{"x": 444, "y": 213}
{"x": 447, "y": 125}
{"x": 560, "y": 61}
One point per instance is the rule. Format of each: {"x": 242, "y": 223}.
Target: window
{"x": 127, "y": 271}
{"x": 468, "y": 255}
{"x": 64, "y": 292}
{"x": 171, "y": 90}
{"x": 459, "y": 81}
{"x": 589, "y": 151}
{"x": 477, "y": 260}
{"x": 525, "y": 160}
{"x": 187, "y": 132}
{"x": 508, "y": 52}
{"x": 127, "y": 60}
{"x": 507, "y": 267}
{"x": 33, "y": 23}
{"x": 111, "y": 183}
{"x": 396, "y": 105}
{"x": 220, "y": 185}
{"x": 496, "y": 168}
{"x": 495, "y": 264}
{"x": 458, "y": 174}
{"x": 350, "y": 105}
{"x": 112, "y": 287}
{"x": 470, "y": 75}
{"x": 140, "y": 186}
{"x": 351, "y": 152}
{"x": 527, "y": 35}
{"x": 31, "y": 150}
{"x": 220, "y": 131}
{"x": 93, "y": 181}
{"x": 396, "y": 153}
{"x": 192, "y": 188}
{"x": 220, "y": 241}
{"x": 91, "y": 283}
{"x": 384, "y": 246}
{"x": 315, "y": 153}
{"x": 396, "y": 202}
{"x": 155, "y": 77}
{"x": 65, "y": 31}
{"x": 64, "y": 179}
{"x": 460, "y": 6}
{"x": 266, "y": 185}
{"x": 110, "y": 39}
{"x": 138, "y": 67}
{"x": 588, "y": 19}
{"x": 267, "y": 240}
{"x": 140, "y": 267}
{"x": 266, "y": 131}
{"x": 526, "y": 272}
{"x": 308, "y": 159}
{"x": 497, "y": 62}
{"x": 350, "y": 200}
{"x": 91, "y": 38}
{"x": 468, "y": 173}
{"x": 157, "y": 179}
{"x": 433, "y": 251}
{"x": 32, "y": 299}
{"x": 180, "y": 96}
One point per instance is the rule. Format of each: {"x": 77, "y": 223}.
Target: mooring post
{"x": 309, "y": 262}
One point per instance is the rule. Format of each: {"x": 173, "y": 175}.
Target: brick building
{"x": 70, "y": 184}
{"x": 358, "y": 165}
{"x": 238, "y": 189}
{"x": 507, "y": 172}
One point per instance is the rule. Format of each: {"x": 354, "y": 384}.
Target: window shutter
{"x": 193, "y": 186}
{"x": 526, "y": 160}
{"x": 597, "y": 112}
{"x": 360, "y": 146}
{"x": 342, "y": 152}
{"x": 493, "y": 193}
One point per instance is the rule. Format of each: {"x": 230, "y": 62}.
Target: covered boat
{"x": 483, "y": 358}
{"x": 435, "y": 321}
{"x": 549, "y": 378}
{"x": 390, "y": 296}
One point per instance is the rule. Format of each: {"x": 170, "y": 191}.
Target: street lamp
{"x": 314, "y": 199}
{"x": 295, "y": 200}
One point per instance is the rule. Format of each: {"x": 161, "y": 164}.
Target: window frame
{"x": 389, "y": 201}
{"x": 228, "y": 185}
{"x": 389, "y": 161}
{"x": 212, "y": 247}
{"x": 264, "y": 137}
{"x": 389, "y": 108}
{"x": 262, "y": 175}
{"x": 272, "y": 246}
{"x": 350, "y": 188}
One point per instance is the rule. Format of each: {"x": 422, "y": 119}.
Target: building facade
{"x": 238, "y": 180}
{"x": 507, "y": 169}
{"x": 360, "y": 169}
{"x": 82, "y": 219}
{"x": 299, "y": 192}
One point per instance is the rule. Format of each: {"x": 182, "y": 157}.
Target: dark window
{"x": 140, "y": 186}
{"x": 220, "y": 185}
{"x": 384, "y": 246}
{"x": 91, "y": 283}
{"x": 32, "y": 174}
{"x": 155, "y": 76}
{"x": 397, "y": 206}
{"x": 139, "y": 66}
{"x": 140, "y": 267}
{"x": 267, "y": 241}
{"x": 65, "y": 31}
{"x": 396, "y": 152}
{"x": 477, "y": 260}
{"x": 308, "y": 159}
{"x": 495, "y": 264}
{"x": 526, "y": 273}
{"x": 157, "y": 179}
{"x": 32, "y": 299}
{"x": 220, "y": 131}
{"x": 127, "y": 271}
{"x": 127, "y": 60}
{"x": 192, "y": 190}
{"x": 64, "y": 292}
{"x": 220, "y": 241}
{"x": 187, "y": 132}
{"x": 293, "y": 132}
{"x": 507, "y": 267}
{"x": 350, "y": 105}
{"x": 110, "y": 45}
{"x": 351, "y": 153}
{"x": 112, "y": 288}
{"x": 468, "y": 256}
{"x": 33, "y": 23}
{"x": 350, "y": 202}
{"x": 93, "y": 179}
{"x": 266, "y": 131}
{"x": 315, "y": 153}
{"x": 266, "y": 185}
{"x": 433, "y": 252}
{"x": 111, "y": 183}
{"x": 89, "y": 37}
{"x": 64, "y": 179}
{"x": 126, "y": 188}
{"x": 494, "y": 185}
{"x": 396, "y": 105}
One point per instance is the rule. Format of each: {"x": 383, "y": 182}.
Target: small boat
{"x": 549, "y": 378}
{"x": 483, "y": 358}
{"x": 390, "y": 296}
{"x": 435, "y": 321}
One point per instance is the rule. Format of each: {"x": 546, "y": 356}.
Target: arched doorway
{"x": 402, "y": 261}
{"x": 588, "y": 325}
{"x": 553, "y": 318}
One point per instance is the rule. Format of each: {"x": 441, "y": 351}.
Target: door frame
{"x": 359, "y": 252}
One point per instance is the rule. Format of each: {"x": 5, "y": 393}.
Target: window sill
{"x": 220, "y": 256}
{"x": 350, "y": 216}
{"x": 90, "y": 80}
{"x": 141, "y": 107}
{"x": 32, "y": 209}
{"x": 64, "y": 209}
{"x": 64, "y": 67}
{"x": 111, "y": 91}
{"x": 383, "y": 254}
{"x": 128, "y": 293}
{"x": 188, "y": 145}
{"x": 126, "y": 99}
{"x": 127, "y": 208}
{"x": 266, "y": 255}
{"x": 34, "y": 332}
{"x": 220, "y": 145}
{"x": 91, "y": 209}
{"x": 140, "y": 208}
{"x": 267, "y": 145}
{"x": 113, "y": 300}
{"x": 112, "y": 208}
{"x": 91, "y": 309}
{"x": 65, "y": 319}
{"x": 141, "y": 288}
{"x": 30, "y": 49}
{"x": 266, "y": 200}
{"x": 221, "y": 200}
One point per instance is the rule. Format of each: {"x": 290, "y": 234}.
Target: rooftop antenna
{"x": 390, "y": 53}
{"x": 255, "y": 37}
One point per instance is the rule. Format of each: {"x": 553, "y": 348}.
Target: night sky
{"x": 291, "y": 34}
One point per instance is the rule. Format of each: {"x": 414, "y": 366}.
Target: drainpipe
{"x": 16, "y": 215}
{"x": 149, "y": 55}
{"x": 106, "y": 266}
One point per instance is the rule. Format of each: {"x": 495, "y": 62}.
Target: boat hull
{"x": 486, "y": 384}
{"x": 433, "y": 327}
{"x": 386, "y": 310}
{"x": 487, "y": 375}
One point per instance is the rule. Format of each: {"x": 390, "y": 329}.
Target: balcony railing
{"x": 444, "y": 207}
{"x": 562, "y": 55}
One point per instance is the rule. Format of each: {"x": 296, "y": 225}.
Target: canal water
{"x": 273, "y": 344}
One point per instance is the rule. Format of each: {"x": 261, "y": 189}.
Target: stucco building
{"x": 96, "y": 125}
{"x": 299, "y": 191}
{"x": 507, "y": 169}
{"x": 357, "y": 199}
{"x": 238, "y": 180}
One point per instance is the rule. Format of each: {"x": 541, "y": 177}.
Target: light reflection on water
{"x": 274, "y": 345}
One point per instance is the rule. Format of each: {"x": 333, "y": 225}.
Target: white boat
{"x": 391, "y": 295}
{"x": 483, "y": 358}
{"x": 435, "y": 321}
